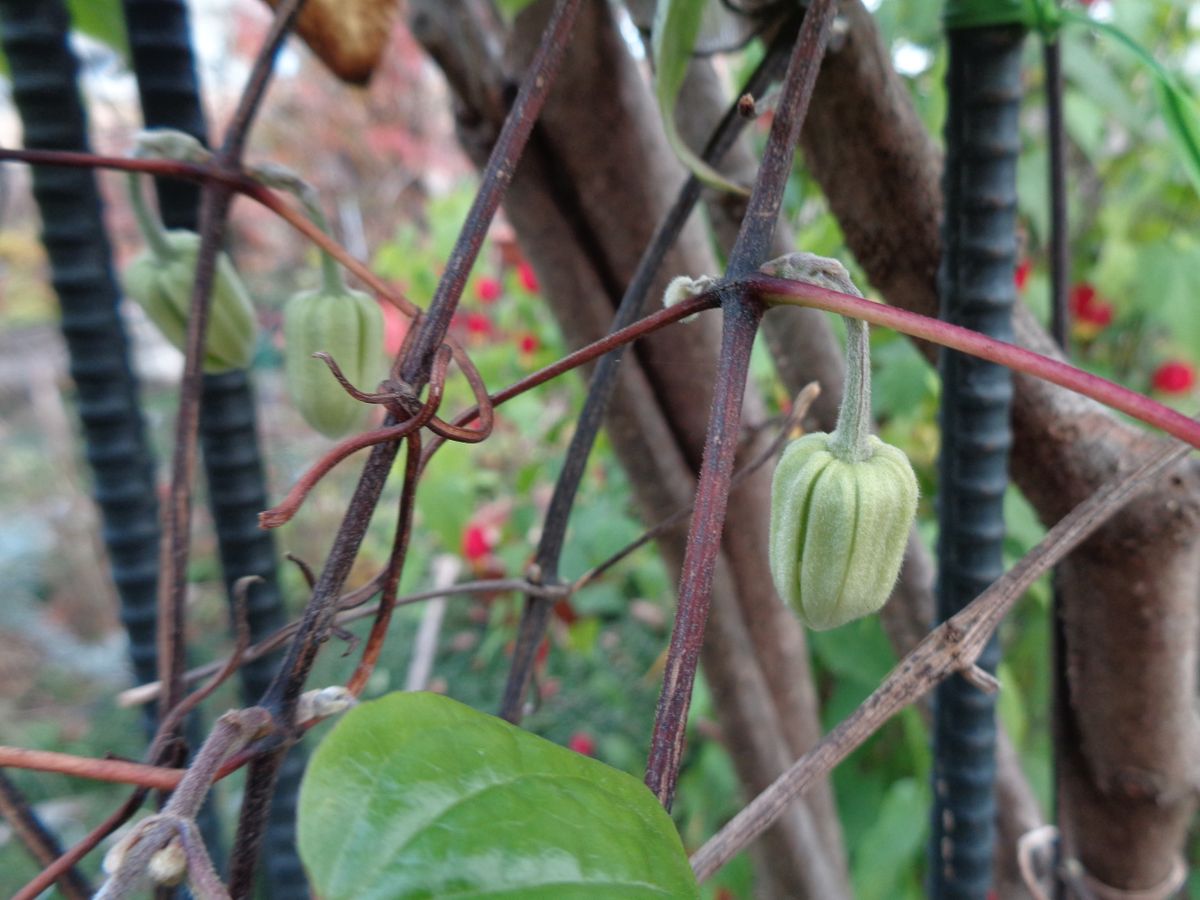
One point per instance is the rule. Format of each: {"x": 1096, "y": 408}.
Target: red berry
{"x": 529, "y": 343}
{"x": 582, "y": 742}
{"x": 1087, "y": 308}
{"x": 478, "y": 324}
{"x": 1174, "y": 377}
{"x": 527, "y": 278}
{"x": 488, "y": 289}
{"x": 1021, "y": 275}
{"x": 476, "y": 543}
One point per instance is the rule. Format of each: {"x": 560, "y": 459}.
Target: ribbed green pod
{"x": 160, "y": 280}
{"x": 348, "y": 325}
{"x": 839, "y": 528}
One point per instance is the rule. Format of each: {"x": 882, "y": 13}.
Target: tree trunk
{"x": 1129, "y": 594}
{"x": 596, "y": 178}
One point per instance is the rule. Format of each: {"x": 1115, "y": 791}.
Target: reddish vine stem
{"x": 237, "y": 181}
{"x": 742, "y": 312}
{"x": 177, "y": 515}
{"x": 387, "y": 603}
{"x": 602, "y": 385}
{"x": 41, "y": 844}
{"x": 282, "y": 513}
{"x": 775, "y": 291}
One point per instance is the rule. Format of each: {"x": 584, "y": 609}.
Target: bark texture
{"x": 1129, "y": 594}
{"x": 804, "y": 348}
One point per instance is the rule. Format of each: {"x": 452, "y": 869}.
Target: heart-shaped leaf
{"x": 416, "y": 795}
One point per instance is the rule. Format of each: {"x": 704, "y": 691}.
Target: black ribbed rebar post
{"x": 977, "y": 290}
{"x": 44, "y": 74}
{"x": 161, "y": 47}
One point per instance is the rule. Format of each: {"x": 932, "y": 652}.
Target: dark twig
{"x": 231, "y": 732}
{"x": 38, "y": 840}
{"x": 177, "y": 517}
{"x": 351, "y": 609}
{"x": 1060, "y": 260}
{"x": 600, "y": 390}
{"x": 52, "y": 872}
{"x": 741, "y": 316}
{"x": 387, "y": 603}
{"x": 502, "y": 165}
{"x": 1060, "y": 273}
{"x": 418, "y": 356}
{"x": 952, "y": 647}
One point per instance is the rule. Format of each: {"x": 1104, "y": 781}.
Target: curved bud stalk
{"x": 842, "y": 504}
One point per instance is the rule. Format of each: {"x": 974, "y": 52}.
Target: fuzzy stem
{"x": 148, "y": 223}
{"x": 849, "y": 441}
{"x": 332, "y": 281}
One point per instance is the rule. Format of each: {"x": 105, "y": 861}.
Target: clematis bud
{"x": 346, "y": 324}
{"x": 160, "y": 281}
{"x": 839, "y": 528}
{"x": 841, "y": 503}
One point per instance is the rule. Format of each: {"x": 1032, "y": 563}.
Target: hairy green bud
{"x": 346, "y": 324}
{"x": 160, "y": 280}
{"x": 841, "y": 503}
{"x": 839, "y": 528}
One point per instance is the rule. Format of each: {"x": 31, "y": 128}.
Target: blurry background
{"x": 396, "y": 188}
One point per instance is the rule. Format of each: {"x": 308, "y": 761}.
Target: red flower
{"x": 477, "y": 542}
{"x": 1087, "y": 309}
{"x": 488, "y": 290}
{"x": 395, "y": 327}
{"x": 1174, "y": 377}
{"x": 582, "y": 742}
{"x": 1021, "y": 275}
{"x": 527, "y": 278}
{"x": 529, "y": 343}
{"x": 478, "y": 324}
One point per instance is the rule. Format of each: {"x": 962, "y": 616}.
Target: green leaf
{"x": 415, "y": 795}
{"x": 1042, "y": 14}
{"x": 510, "y": 8}
{"x": 672, "y": 39}
{"x": 98, "y": 19}
{"x": 102, "y": 20}
{"x": 887, "y": 849}
{"x": 1179, "y": 108}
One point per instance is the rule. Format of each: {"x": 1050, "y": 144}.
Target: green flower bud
{"x": 346, "y": 324}
{"x": 161, "y": 283}
{"x": 842, "y": 503}
{"x": 839, "y": 528}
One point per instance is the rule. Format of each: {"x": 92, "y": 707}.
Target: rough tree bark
{"x": 804, "y": 349}
{"x": 595, "y": 180}
{"x": 1129, "y": 594}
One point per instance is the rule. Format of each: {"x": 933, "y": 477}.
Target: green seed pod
{"x": 346, "y": 324}
{"x": 839, "y": 528}
{"x": 160, "y": 280}
{"x": 842, "y": 503}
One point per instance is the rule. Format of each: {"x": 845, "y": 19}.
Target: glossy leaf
{"x": 416, "y": 795}
{"x": 673, "y": 38}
